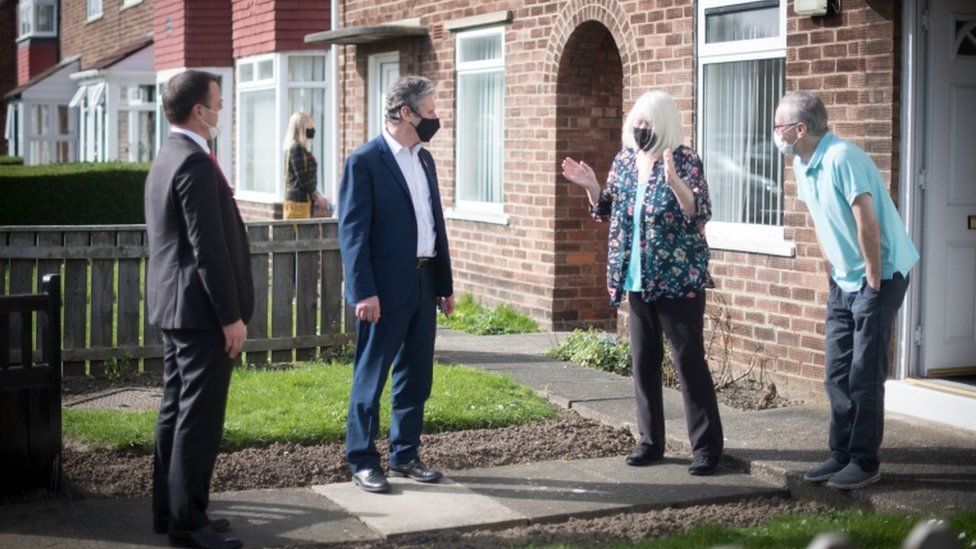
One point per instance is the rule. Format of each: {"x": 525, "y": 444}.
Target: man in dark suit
{"x": 397, "y": 269}
{"x": 200, "y": 294}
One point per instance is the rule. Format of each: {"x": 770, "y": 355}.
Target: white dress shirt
{"x": 413, "y": 172}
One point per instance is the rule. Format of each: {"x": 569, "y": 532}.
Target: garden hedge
{"x": 72, "y": 194}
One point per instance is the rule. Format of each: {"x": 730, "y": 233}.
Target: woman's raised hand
{"x": 581, "y": 174}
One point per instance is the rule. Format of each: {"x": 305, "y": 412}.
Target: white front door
{"x": 384, "y": 69}
{"x": 949, "y": 240}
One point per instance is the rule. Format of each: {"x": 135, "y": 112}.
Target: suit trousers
{"x": 682, "y": 322}
{"x": 403, "y": 338}
{"x": 857, "y": 332}
{"x": 196, "y": 379}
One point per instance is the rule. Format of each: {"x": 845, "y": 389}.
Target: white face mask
{"x": 214, "y": 130}
{"x": 782, "y": 145}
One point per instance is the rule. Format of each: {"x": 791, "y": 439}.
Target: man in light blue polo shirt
{"x": 865, "y": 241}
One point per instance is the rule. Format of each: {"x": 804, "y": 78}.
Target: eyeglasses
{"x": 778, "y": 128}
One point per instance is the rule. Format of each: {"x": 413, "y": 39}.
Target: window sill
{"x": 477, "y": 217}
{"x": 257, "y": 197}
{"x": 741, "y": 237}
{"x": 132, "y": 4}
{"x": 95, "y": 18}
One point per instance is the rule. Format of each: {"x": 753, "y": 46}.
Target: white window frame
{"x": 94, "y": 9}
{"x": 742, "y": 237}
{"x": 377, "y": 116}
{"x": 13, "y": 129}
{"x": 53, "y": 136}
{"x": 28, "y": 9}
{"x": 472, "y": 210}
{"x": 281, "y": 86}
{"x": 134, "y": 108}
{"x": 129, "y": 3}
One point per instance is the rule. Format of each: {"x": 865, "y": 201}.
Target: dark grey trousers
{"x": 857, "y": 332}
{"x": 196, "y": 378}
{"x": 682, "y": 322}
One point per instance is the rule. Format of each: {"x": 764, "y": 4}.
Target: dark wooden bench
{"x": 30, "y": 390}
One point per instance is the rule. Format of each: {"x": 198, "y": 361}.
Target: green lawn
{"x": 307, "y": 405}
{"x": 867, "y": 530}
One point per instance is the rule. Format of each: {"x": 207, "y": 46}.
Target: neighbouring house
{"x": 8, "y": 62}
{"x": 522, "y": 84}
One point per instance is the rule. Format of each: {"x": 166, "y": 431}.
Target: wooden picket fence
{"x": 299, "y": 309}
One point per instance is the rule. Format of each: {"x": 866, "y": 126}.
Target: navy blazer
{"x": 378, "y": 229}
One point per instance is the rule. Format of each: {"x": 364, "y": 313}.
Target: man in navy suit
{"x": 397, "y": 268}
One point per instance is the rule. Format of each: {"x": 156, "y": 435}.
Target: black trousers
{"x": 682, "y": 322}
{"x": 196, "y": 378}
{"x": 858, "y": 329}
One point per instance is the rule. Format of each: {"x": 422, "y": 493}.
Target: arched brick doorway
{"x": 589, "y": 115}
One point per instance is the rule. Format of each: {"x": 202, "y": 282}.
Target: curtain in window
{"x": 743, "y": 167}
{"x": 479, "y": 154}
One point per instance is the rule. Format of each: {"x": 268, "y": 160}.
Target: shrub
{"x": 603, "y": 351}
{"x": 11, "y": 161}
{"x": 73, "y": 194}
{"x": 471, "y": 317}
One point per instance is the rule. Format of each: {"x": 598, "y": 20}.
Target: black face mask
{"x": 310, "y": 133}
{"x": 427, "y": 128}
{"x": 645, "y": 138}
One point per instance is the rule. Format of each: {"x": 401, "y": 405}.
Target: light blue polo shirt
{"x": 838, "y": 172}
{"x": 633, "y": 281}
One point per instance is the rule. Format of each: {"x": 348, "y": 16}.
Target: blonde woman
{"x": 301, "y": 187}
{"x": 657, "y": 203}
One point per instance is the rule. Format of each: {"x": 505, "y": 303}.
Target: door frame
{"x": 373, "y": 78}
{"x": 914, "y": 67}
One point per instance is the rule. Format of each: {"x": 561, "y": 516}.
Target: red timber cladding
{"x": 8, "y": 61}
{"x": 767, "y": 311}
{"x": 99, "y": 38}
{"x": 192, "y": 34}
{"x": 263, "y": 26}
{"x": 34, "y": 57}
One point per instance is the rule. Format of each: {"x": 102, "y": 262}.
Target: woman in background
{"x": 301, "y": 186}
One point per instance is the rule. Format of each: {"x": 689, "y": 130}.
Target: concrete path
{"x": 925, "y": 467}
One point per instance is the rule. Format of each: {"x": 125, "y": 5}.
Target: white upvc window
{"x": 91, "y": 103}
{"x": 48, "y": 133}
{"x": 117, "y": 118}
{"x": 37, "y": 19}
{"x": 741, "y": 75}
{"x": 270, "y": 88}
{"x": 94, "y": 9}
{"x": 136, "y": 138}
{"x": 479, "y": 150}
{"x": 130, "y": 3}
{"x": 12, "y": 129}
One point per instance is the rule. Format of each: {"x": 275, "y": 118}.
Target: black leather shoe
{"x": 643, "y": 455}
{"x": 702, "y": 466}
{"x": 416, "y": 471}
{"x": 204, "y": 537}
{"x": 161, "y": 524}
{"x": 371, "y": 480}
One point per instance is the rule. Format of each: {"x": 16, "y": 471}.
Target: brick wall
{"x": 192, "y": 34}
{"x": 99, "y": 38}
{"x": 35, "y": 56}
{"x": 8, "y": 61}
{"x": 766, "y": 311}
{"x": 263, "y": 26}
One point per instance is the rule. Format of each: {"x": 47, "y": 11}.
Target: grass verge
{"x": 471, "y": 317}
{"x": 307, "y": 405}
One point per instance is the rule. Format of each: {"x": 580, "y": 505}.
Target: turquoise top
{"x": 838, "y": 172}
{"x": 633, "y": 281}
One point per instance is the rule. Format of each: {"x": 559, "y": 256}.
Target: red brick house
{"x": 523, "y": 84}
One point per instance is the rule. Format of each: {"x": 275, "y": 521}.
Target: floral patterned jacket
{"x": 674, "y": 252}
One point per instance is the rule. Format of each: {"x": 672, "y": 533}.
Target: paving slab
{"x": 412, "y": 507}
{"x": 570, "y": 393}
{"x": 554, "y": 490}
{"x": 262, "y": 518}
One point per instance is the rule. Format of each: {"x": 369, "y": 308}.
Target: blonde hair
{"x": 295, "y": 134}
{"x": 659, "y": 110}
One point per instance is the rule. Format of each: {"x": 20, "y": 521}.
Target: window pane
{"x": 64, "y": 152}
{"x": 481, "y": 48}
{"x": 163, "y": 123}
{"x": 742, "y": 22}
{"x": 146, "y": 132}
{"x": 306, "y": 68}
{"x": 40, "y": 152}
{"x": 64, "y": 120}
{"x": 259, "y": 138}
{"x": 45, "y": 18}
{"x": 312, "y": 102}
{"x": 743, "y": 167}
{"x": 479, "y": 141}
{"x": 42, "y": 120}
{"x": 245, "y": 73}
{"x": 266, "y": 70}
{"x": 123, "y": 135}
{"x": 26, "y": 16}
{"x": 94, "y": 8}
